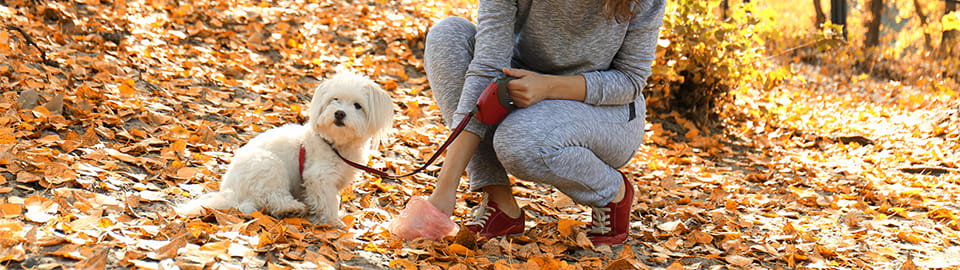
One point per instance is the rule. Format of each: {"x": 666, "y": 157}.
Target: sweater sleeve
{"x": 492, "y": 52}
{"x": 624, "y": 81}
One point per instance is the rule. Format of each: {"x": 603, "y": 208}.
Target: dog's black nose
{"x": 339, "y": 115}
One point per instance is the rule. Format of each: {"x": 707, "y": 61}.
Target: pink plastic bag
{"x": 422, "y": 219}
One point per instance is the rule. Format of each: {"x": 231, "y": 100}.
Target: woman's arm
{"x": 444, "y": 196}
{"x": 492, "y": 51}
{"x": 624, "y": 81}
{"x": 531, "y": 87}
{"x": 493, "y": 48}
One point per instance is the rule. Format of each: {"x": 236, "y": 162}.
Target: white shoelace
{"x": 480, "y": 216}
{"x": 601, "y": 221}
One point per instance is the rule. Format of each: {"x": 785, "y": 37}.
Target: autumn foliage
{"x": 770, "y": 143}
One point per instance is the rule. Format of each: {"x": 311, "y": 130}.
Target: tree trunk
{"x": 821, "y": 18}
{"x": 949, "y": 40}
{"x": 838, "y": 14}
{"x": 923, "y": 24}
{"x": 724, "y": 7}
{"x": 873, "y": 23}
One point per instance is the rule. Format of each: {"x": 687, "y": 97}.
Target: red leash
{"x": 494, "y": 104}
{"x": 456, "y": 132}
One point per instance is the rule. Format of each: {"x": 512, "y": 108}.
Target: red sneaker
{"x": 491, "y": 222}
{"x": 611, "y": 223}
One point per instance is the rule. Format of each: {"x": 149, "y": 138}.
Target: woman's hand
{"x": 531, "y": 87}
{"x": 528, "y": 88}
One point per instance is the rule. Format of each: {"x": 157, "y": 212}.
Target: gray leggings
{"x": 570, "y": 145}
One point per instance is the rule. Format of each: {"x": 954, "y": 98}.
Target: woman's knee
{"x": 451, "y": 29}
{"x": 519, "y": 151}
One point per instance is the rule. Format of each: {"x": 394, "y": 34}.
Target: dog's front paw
{"x": 293, "y": 209}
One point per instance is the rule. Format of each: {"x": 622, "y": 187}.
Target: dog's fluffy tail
{"x": 214, "y": 200}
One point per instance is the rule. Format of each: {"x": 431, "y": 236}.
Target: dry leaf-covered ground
{"x": 112, "y": 111}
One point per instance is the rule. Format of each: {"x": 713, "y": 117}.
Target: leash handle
{"x": 382, "y": 174}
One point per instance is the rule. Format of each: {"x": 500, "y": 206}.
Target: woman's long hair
{"x": 620, "y": 10}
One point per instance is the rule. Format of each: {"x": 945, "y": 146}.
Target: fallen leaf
{"x": 466, "y": 238}
{"x": 13, "y": 253}
{"x": 96, "y": 261}
{"x": 738, "y": 260}
{"x": 170, "y": 249}
{"x": 461, "y": 250}
{"x": 402, "y": 263}
{"x": 700, "y": 237}
{"x": 908, "y": 265}
{"x": 10, "y": 210}
{"x": 568, "y": 226}
{"x": 908, "y": 236}
{"x": 126, "y": 88}
{"x": 69, "y": 251}
{"x": 676, "y": 265}
{"x": 671, "y": 226}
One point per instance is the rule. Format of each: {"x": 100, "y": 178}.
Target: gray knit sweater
{"x": 564, "y": 37}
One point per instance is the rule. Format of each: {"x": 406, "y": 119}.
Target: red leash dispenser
{"x": 494, "y": 103}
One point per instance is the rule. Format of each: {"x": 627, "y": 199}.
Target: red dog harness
{"x": 303, "y": 154}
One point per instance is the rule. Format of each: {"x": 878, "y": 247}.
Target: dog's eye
{"x": 357, "y": 105}
{"x": 335, "y": 99}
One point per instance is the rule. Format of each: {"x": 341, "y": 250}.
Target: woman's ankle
{"x": 502, "y": 195}
{"x": 620, "y": 193}
{"x": 445, "y": 205}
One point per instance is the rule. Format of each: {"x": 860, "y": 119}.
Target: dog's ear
{"x": 380, "y": 113}
{"x": 318, "y": 101}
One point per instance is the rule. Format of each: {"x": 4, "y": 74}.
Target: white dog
{"x": 347, "y": 112}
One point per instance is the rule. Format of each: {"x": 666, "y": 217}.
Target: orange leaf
{"x": 127, "y": 88}
{"x": 70, "y": 251}
{"x": 170, "y": 249}
{"x": 568, "y": 226}
{"x": 623, "y": 264}
{"x": 348, "y": 221}
{"x": 7, "y": 139}
{"x": 403, "y": 263}
{"x": 413, "y": 110}
{"x": 25, "y": 177}
{"x": 89, "y": 137}
{"x": 96, "y": 261}
{"x": 909, "y": 265}
{"x": 909, "y": 237}
{"x": 671, "y": 226}
{"x": 692, "y": 134}
{"x": 218, "y": 247}
{"x": 70, "y": 142}
{"x": 546, "y": 263}
{"x": 122, "y": 156}
{"x": 676, "y": 265}
{"x": 466, "y": 238}
{"x": 738, "y": 260}
{"x": 461, "y": 250}
{"x": 187, "y": 172}
{"x": 10, "y": 210}
{"x": 701, "y": 237}
{"x": 788, "y": 229}
{"x": 14, "y": 253}
{"x": 583, "y": 241}
{"x": 179, "y": 146}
